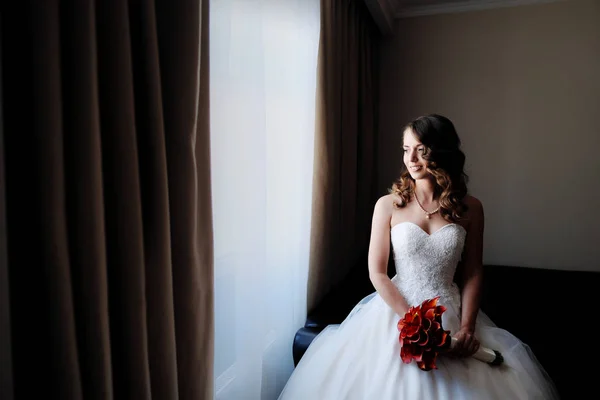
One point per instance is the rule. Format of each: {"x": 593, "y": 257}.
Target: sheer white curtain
{"x": 263, "y": 65}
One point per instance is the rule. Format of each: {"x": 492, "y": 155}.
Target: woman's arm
{"x": 379, "y": 250}
{"x": 472, "y": 278}
{"x": 473, "y": 266}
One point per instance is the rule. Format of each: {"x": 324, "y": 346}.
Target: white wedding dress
{"x": 360, "y": 358}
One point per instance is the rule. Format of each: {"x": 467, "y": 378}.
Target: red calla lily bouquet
{"x": 422, "y": 337}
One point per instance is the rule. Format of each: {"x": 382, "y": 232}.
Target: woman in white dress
{"x": 436, "y": 232}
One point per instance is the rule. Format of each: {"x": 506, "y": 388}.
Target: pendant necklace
{"x": 428, "y": 214}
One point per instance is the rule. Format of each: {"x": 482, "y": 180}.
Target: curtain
{"x": 108, "y": 201}
{"x": 6, "y": 383}
{"x": 263, "y": 83}
{"x": 344, "y": 181}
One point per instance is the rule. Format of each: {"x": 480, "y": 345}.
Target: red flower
{"x": 422, "y": 336}
{"x": 410, "y": 324}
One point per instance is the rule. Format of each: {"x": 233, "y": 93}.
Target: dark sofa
{"x": 554, "y": 311}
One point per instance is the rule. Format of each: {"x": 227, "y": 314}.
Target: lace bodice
{"x": 425, "y": 264}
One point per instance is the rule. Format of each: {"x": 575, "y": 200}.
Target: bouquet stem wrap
{"x": 493, "y": 357}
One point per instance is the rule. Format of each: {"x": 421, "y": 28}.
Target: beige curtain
{"x": 344, "y": 181}
{"x": 105, "y": 120}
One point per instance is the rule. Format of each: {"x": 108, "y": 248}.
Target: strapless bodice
{"x": 426, "y": 263}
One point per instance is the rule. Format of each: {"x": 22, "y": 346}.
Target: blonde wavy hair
{"x": 445, "y": 161}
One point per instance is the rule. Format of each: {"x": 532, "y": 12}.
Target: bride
{"x": 436, "y": 232}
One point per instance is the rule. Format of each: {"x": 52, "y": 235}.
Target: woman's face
{"x": 413, "y": 156}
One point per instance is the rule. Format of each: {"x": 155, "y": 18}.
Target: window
{"x": 263, "y": 81}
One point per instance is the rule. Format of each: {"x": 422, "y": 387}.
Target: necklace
{"x": 428, "y": 214}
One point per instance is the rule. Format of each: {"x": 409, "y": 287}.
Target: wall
{"x": 522, "y": 85}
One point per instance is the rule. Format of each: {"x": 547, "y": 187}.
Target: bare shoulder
{"x": 385, "y": 206}
{"x": 473, "y": 202}
{"x": 386, "y": 202}
{"x": 475, "y": 212}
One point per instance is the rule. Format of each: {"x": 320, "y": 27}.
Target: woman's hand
{"x": 466, "y": 344}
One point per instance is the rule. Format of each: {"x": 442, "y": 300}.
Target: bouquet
{"x": 422, "y": 337}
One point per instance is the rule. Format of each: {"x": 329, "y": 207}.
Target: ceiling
{"x": 407, "y": 8}
{"x": 385, "y": 12}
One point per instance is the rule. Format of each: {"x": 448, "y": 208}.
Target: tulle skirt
{"x": 359, "y": 359}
